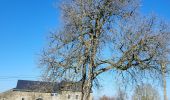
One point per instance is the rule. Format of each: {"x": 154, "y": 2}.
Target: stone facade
{"x": 20, "y": 95}
{"x": 23, "y": 92}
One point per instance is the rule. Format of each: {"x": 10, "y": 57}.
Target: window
{"x": 68, "y": 87}
{"x": 39, "y": 99}
{"x": 69, "y": 96}
{"x": 53, "y": 94}
{"x": 77, "y": 96}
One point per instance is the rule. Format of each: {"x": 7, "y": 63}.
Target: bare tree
{"x": 100, "y": 36}
{"x": 145, "y": 92}
{"x": 121, "y": 95}
{"x": 164, "y": 62}
{"x": 106, "y": 98}
{"x": 164, "y": 81}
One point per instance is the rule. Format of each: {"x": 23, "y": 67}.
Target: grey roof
{"x": 41, "y": 86}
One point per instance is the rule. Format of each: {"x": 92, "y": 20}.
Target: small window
{"x": 77, "y": 96}
{"x": 68, "y": 87}
{"x": 39, "y": 99}
{"x": 23, "y": 99}
{"x": 69, "y": 96}
{"x": 53, "y": 94}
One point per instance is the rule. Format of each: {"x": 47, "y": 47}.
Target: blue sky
{"x": 24, "y": 26}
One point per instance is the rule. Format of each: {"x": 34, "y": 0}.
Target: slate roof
{"x": 41, "y": 86}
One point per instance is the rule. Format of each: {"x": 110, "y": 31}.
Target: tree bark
{"x": 86, "y": 90}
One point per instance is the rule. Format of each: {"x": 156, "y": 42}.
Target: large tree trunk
{"x": 86, "y": 90}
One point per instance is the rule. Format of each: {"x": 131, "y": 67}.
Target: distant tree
{"x": 145, "y": 92}
{"x": 121, "y": 95}
{"x": 104, "y": 35}
{"x": 107, "y": 98}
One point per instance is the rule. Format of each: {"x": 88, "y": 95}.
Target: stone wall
{"x": 69, "y": 95}
{"x": 18, "y": 95}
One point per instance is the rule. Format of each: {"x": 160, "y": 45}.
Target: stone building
{"x": 38, "y": 90}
